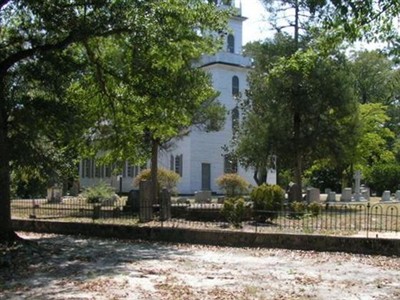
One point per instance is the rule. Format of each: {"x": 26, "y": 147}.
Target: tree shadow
{"x": 56, "y": 261}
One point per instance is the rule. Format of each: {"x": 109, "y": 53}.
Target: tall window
{"x": 235, "y": 120}
{"x": 108, "y": 171}
{"x": 176, "y": 164}
{"x": 179, "y": 164}
{"x": 235, "y": 86}
{"x": 231, "y": 43}
{"x": 98, "y": 171}
{"x": 172, "y": 163}
{"x": 230, "y": 164}
{"x": 87, "y": 168}
{"x": 132, "y": 170}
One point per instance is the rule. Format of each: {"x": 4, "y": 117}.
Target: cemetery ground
{"x": 73, "y": 267}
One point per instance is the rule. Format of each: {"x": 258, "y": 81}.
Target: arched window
{"x": 235, "y": 86}
{"x": 179, "y": 164}
{"x": 230, "y": 164}
{"x": 235, "y": 120}
{"x": 231, "y": 43}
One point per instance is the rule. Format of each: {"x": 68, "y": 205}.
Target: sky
{"x": 256, "y": 26}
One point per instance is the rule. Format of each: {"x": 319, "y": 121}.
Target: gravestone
{"x": 397, "y": 195}
{"x": 365, "y": 193}
{"x": 327, "y": 191}
{"x": 313, "y": 195}
{"x": 294, "y": 192}
{"x": 385, "y": 196}
{"x": 165, "y": 212}
{"x": 145, "y": 201}
{"x": 132, "y": 204}
{"x": 331, "y": 197}
{"x": 346, "y": 195}
{"x": 202, "y": 196}
{"x": 74, "y": 190}
{"x": 54, "y": 194}
{"x": 357, "y": 186}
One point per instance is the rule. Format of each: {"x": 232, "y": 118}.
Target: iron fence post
{"x": 368, "y": 216}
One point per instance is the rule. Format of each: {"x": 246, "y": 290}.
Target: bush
{"x": 323, "y": 177}
{"x": 233, "y": 184}
{"x": 235, "y": 210}
{"x": 268, "y": 199}
{"x": 299, "y": 209}
{"x": 99, "y": 193}
{"x": 165, "y": 178}
{"x": 384, "y": 177}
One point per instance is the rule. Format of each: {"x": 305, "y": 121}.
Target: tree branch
{"x": 73, "y": 37}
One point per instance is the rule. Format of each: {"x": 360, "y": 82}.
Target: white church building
{"x": 199, "y": 158}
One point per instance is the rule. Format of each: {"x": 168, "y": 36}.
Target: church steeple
{"x": 231, "y": 53}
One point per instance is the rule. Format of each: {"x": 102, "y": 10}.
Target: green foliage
{"x": 300, "y": 209}
{"x": 384, "y": 177}
{"x": 165, "y": 178}
{"x": 99, "y": 193}
{"x": 233, "y": 184}
{"x": 145, "y": 84}
{"x": 368, "y": 20}
{"x": 235, "y": 210}
{"x": 299, "y": 105}
{"x": 314, "y": 209}
{"x": 267, "y": 198}
{"x": 26, "y": 184}
{"x": 323, "y": 176}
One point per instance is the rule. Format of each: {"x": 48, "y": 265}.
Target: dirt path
{"x": 67, "y": 267}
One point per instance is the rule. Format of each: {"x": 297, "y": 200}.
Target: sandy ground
{"x": 70, "y": 267}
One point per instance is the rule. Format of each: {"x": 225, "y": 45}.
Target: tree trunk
{"x": 298, "y": 170}
{"x": 6, "y": 231}
{"x": 296, "y": 23}
{"x": 154, "y": 170}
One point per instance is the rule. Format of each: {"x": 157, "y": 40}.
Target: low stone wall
{"x": 376, "y": 246}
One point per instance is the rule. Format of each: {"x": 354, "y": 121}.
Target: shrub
{"x": 314, "y": 209}
{"x": 165, "y": 178}
{"x": 384, "y": 177}
{"x": 323, "y": 177}
{"x": 301, "y": 208}
{"x": 298, "y": 207}
{"x": 99, "y": 193}
{"x": 233, "y": 184}
{"x": 268, "y": 199}
{"x": 235, "y": 210}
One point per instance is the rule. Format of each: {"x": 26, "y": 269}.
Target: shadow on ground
{"x": 31, "y": 271}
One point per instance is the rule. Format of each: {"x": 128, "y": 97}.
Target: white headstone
{"x": 386, "y": 196}
{"x": 54, "y": 194}
{"x": 397, "y": 195}
{"x": 331, "y": 197}
{"x": 346, "y": 195}
{"x": 313, "y": 195}
{"x": 202, "y": 196}
{"x": 365, "y": 193}
{"x": 357, "y": 185}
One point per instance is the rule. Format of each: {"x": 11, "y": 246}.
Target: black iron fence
{"x": 328, "y": 218}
